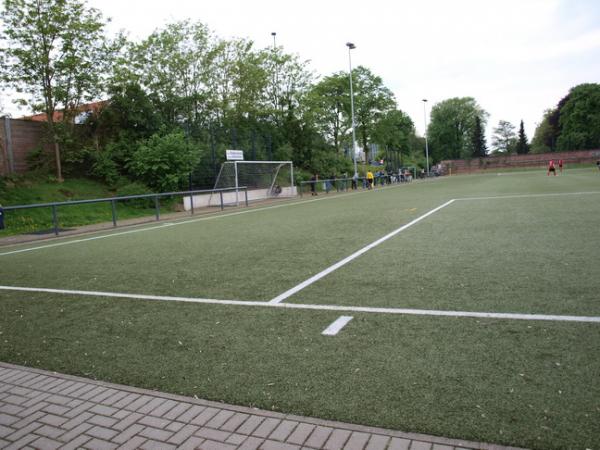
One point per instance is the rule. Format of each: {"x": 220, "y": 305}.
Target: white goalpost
{"x": 261, "y": 180}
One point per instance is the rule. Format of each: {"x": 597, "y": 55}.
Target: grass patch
{"x": 26, "y": 191}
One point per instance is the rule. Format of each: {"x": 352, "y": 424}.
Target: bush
{"x": 164, "y": 162}
{"x": 136, "y": 188}
{"x": 39, "y": 160}
{"x": 105, "y": 168}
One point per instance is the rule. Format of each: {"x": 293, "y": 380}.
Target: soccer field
{"x": 474, "y": 302}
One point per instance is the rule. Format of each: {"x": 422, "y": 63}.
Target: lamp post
{"x": 351, "y": 46}
{"x": 426, "y": 144}
{"x": 275, "y": 74}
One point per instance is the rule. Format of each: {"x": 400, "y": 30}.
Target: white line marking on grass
{"x": 355, "y": 309}
{"x": 336, "y": 326}
{"x": 353, "y": 256}
{"x": 183, "y": 222}
{"x": 557, "y": 194}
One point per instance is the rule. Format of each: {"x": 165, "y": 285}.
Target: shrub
{"x": 136, "y": 188}
{"x": 164, "y": 162}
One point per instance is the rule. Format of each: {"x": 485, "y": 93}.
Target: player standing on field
{"x": 551, "y": 167}
{"x": 560, "y": 164}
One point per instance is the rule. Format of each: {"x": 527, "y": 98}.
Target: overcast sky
{"x": 515, "y": 57}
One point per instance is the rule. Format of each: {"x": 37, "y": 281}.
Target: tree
{"x": 327, "y": 104}
{"x": 478, "y": 140}
{"x": 372, "y": 101}
{"x": 394, "y": 131}
{"x": 451, "y": 128}
{"x": 522, "y": 146}
{"x": 545, "y": 135}
{"x": 173, "y": 65}
{"x": 504, "y": 139}
{"x": 55, "y": 56}
{"x": 579, "y": 118}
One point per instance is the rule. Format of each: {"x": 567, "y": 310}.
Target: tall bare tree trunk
{"x": 57, "y": 156}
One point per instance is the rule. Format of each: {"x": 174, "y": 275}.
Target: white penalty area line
{"x": 212, "y": 216}
{"x": 556, "y": 194}
{"x": 353, "y": 309}
{"x": 353, "y": 256}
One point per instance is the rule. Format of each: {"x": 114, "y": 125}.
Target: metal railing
{"x": 113, "y": 202}
{"x": 344, "y": 184}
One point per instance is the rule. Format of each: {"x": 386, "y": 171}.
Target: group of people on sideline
{"x": 379, "y": 178}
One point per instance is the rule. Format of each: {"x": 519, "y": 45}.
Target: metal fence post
{"x": 114, "y": 212}
{"x": 221, "y": 195}
{"x": 246, "y": 194}
{"x": 55, "y": 219}
{"x": 192, "y": 203}
{"x": 301, "y": 185}
{"x": 157, "y": 208}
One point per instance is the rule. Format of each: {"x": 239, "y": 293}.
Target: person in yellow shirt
{"x": 370, "y": 179}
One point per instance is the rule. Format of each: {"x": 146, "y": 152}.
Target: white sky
{"x": 515, "y": 57}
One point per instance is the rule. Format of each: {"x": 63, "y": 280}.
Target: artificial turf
{"x": 530, "y": 384}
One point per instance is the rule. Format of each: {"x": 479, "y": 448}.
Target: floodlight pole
{"x": 426, "y": 144}
{"x": 275, "y": 75}
{"x": 351, "y": 46}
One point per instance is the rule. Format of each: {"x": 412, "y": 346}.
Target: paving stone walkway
{"x": 47, "y": 410}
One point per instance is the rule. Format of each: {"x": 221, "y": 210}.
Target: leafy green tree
{"x": 164, "y": 161}
{"x": 372, "y": 100}
{"x": 579, "y": 118}
{"x": 394, "y": 131}
{"x": 522, "y": 146}
{"x": 451, "y": 128}
{"x": 545, "y": 135}
{"x": 478, "y": 143}
{"x": 327, "y": 103}
{"x": 504, "y": 139}
{"x": 172, "y": 65}
{"x": 55, "y": 56}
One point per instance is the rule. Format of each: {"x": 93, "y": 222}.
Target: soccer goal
{"x": 262, "y": 180}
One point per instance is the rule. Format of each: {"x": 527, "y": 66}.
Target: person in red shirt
{"x": 560, "y": 164}
{"x": 551, "y": 168}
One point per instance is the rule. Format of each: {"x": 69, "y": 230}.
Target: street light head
{"x": 425, "y": 100}
{"x": 273, "y": 34}
{"x": 350, "y": 45}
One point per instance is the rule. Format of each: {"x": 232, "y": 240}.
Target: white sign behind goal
{"x": 234, "y": 155}
{"x": 262, "y": 180}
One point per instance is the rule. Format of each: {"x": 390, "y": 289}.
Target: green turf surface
{"x": 511, "y": 382}
{"x": 542, "y": 258}
{"x": 531, "y": 384}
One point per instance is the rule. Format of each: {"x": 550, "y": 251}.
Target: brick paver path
{"x": 46, "y": 410}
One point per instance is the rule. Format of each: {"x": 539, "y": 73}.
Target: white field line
{"x": 353, "y": 256}
{"x": 354, "y": 309}
{"x": 557, "y": 194}
{"x": 183, "y": 222}
{"x": 336, "y": 326}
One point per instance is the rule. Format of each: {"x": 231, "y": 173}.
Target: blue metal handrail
{"x": 113, "y": 200}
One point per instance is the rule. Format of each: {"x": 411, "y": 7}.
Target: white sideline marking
{"x": 557, "y": 194}
{"x": 182, "y": 222}
{"x": 355, "y": 309}
{"x": 336, "y": 326}
{"x": 353, "y": 256}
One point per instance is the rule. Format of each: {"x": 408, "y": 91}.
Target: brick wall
{"x": 17, "y": 139}
{"x": 503, "y": 162}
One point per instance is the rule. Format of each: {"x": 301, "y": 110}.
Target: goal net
{"x": 262, "y": 179}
